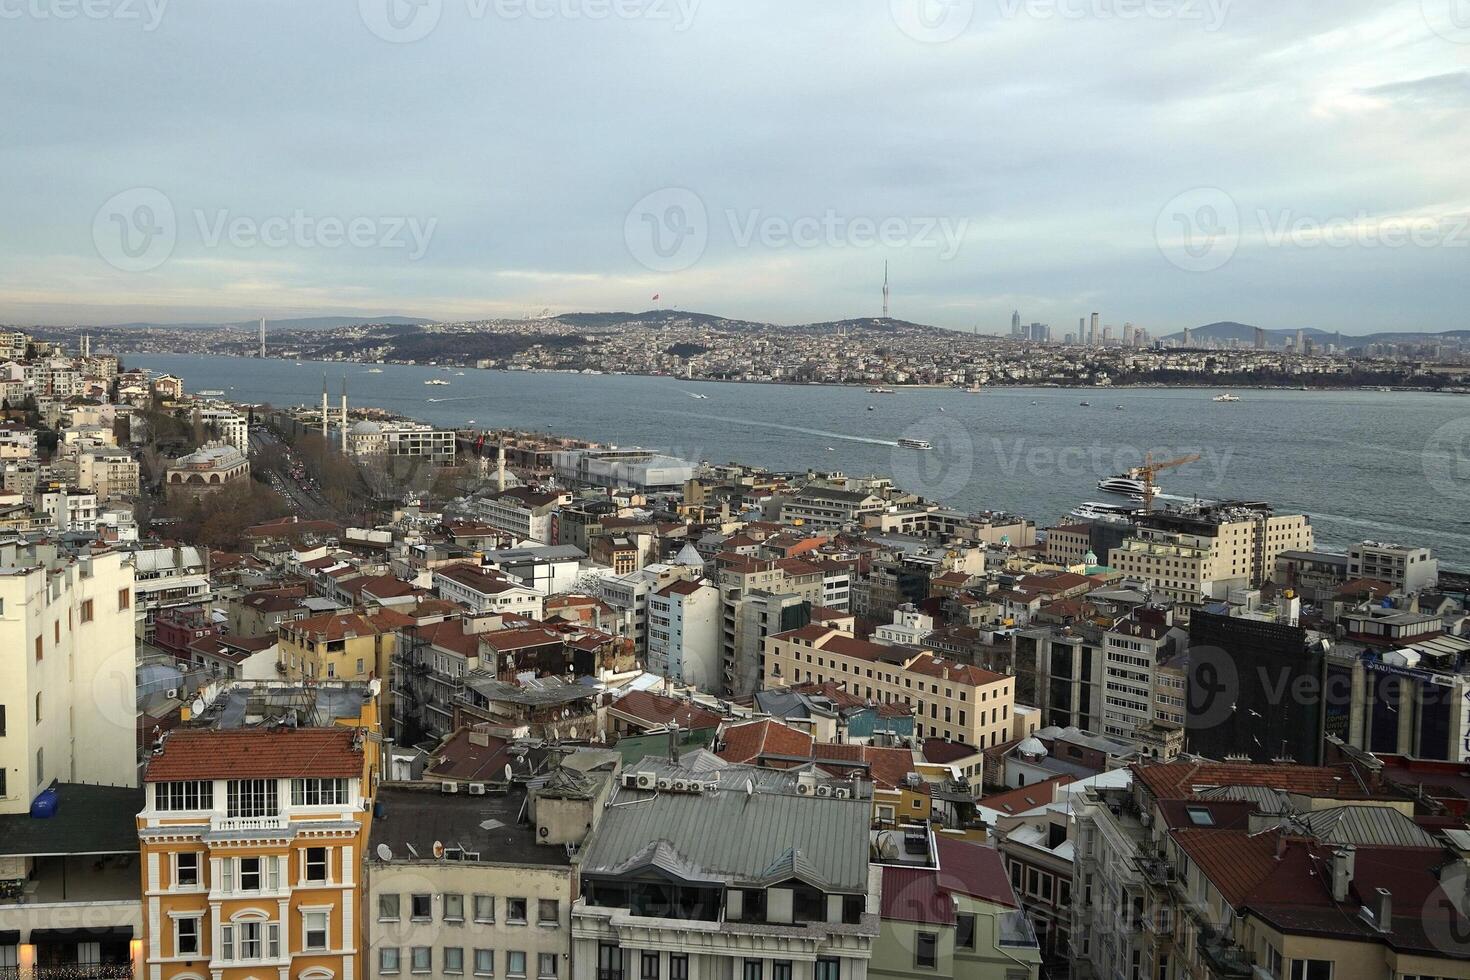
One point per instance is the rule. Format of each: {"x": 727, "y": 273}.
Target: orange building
{"x": 251, "y": 842}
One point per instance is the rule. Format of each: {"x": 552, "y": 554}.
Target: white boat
{"x": 974, "y": 390}
{"x": 436, "y": 381}
{"x": 1227, "y": 397}
{"x": 375, "y": 371}
{"x": 831, "y": 450}
{"x": 914, "y": 444}
{"x": 211, "y": 391}
{"x": 1093, "y": 511}
{"x": 1127, "y": 484}
{"x": 880, "y": 390}
{"x": 1086, "y": 404}
{"x": 872, "y": 408}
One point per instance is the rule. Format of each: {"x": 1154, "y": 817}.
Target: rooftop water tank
{"x": 43, "y": 807}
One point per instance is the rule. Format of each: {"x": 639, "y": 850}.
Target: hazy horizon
{"x": 1169, "y": 163}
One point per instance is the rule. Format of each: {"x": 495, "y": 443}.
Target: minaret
{"x": 500, "y": 465}
{"x": 344, "y": 415}
{"x": 326, "y": 414}
{"x": 885, "y": 290}
{"x": 262, "y": 336}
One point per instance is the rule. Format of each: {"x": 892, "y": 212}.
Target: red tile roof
{"x": 1179, "y": 780}
{"x": 655, "y": 709}
{"x": 923, "y": 894}
{"x": 256, "y": 753}
{"x": 747, "y": 743}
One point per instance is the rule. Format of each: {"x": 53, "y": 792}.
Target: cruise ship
{"x": 914, "y": 444}
{"x": 1092, "y": 511}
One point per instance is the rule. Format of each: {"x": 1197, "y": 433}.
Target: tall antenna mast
{"x": 885, "y": 289}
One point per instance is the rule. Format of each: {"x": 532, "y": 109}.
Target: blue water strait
{"x": 1388, "y": 466}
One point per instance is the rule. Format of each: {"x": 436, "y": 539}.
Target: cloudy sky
{"x": 1166, "y": 162}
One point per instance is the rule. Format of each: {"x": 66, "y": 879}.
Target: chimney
{"x": 1383, "y": 909}
{"x": 1342, "y": 863}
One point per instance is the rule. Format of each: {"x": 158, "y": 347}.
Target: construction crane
{"x": 1150, "y": 469}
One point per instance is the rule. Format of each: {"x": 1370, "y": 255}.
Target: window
{"x": 964, "y": 936}
{"x": 38, "y": 707}
{"x": 387, "y": 908}
{"x": 388, "y": 960}
{"x": 484, "y": 908}
{"x": 781, "y": 970}
{"x": 926, "y": 950}
{"x": 422, "y": 960}
{"x": 191, "y": 794}
{"x": 610, "y": 962}
{"x": 250, "y": 874}
{"x": 252, "y": 798}
{"x": 648, "y": 965}
{"x": 753, "y": 969}
{"x": 250, "y": 940}
{"x": 484, "y": 962}
{"x": 186, "y": 937}
{"x": 315, "y": 928}
{"x": 515, "y": 963}
{"x": 422, "y": 908}
{"x": 678, "y": 966}
{"x": 453, "y": 959}
{"x": 1311, "y": 970}
{"x": 515, "y": 911}
{"x": 828, "y": 968}
{"x": 546, "y": 966}
{"x": 318, "y": 792}
{"x": 548, "y": 912}
{"x": 316, "y": 864}
{"x": 186, "y": 869}
{"x": 124, "y": 599}
{"x": 453, "y": 908}
{"x": 86, "y": 610}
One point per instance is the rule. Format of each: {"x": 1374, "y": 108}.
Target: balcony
{"x": 1222, "y": 958}
{"x": 248, "y": 825}
{"x": 70, "y": 971}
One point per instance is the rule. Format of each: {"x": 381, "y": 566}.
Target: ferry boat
{"x": 1128, "y": 484}
{"x": 1086, "y": 404}
{"x": 914, "y": 444}
{"x": 1093, "y": 511}
{"x": 211, "y": 391}
{"x": 375, "y": 371}
{"x": 880, "y": 390}
{"x": 974, "y": 390}
{"x": 436, "y": 381}
{"x": 1227, "y": 397}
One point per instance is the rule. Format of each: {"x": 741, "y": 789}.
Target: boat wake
{"x": 786, "y": 428}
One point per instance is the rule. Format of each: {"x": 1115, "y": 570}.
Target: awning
{"x": 99, "y": 935}
{"x": 9, "y": 937}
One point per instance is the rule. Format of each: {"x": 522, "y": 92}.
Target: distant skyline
{"x": 1285, "y": 165}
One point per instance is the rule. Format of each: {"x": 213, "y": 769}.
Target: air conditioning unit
{"x": 842, "y": 793}
{"x": 665, "y": 784}
{"x": 646, "y": 780}
{"x": 696, "y": 787}
{"x": 477, "y": 789}
{"x": 173, "y": 692}
{"x": 630, "y": 780}
{"x": 804, "y": 789}
{"x": 449, "y": 787}
{"x": 824, "y": 790}
{"x": 680, "y": 786}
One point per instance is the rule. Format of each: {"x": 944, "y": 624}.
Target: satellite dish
{"x": 439, "y": 850}
{"x": 573, "y": 733}
{"x": 385, "y": 853}
{"x": 507, "y": 772}
{"x": 197, "y": 708}
{"x": 374, "y": 686}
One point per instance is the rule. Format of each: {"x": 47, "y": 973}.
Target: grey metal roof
{"x": 735, "y": 837}
{"x": 547, "y": 691}
{"x": 1374, "y": 825}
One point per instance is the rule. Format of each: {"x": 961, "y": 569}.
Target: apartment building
{"x": 480, "y": 589}
{"x": 461, "y": 884}
{"x": 684, "y": 634}
{"x": 523, "y": 512}
{"x": 108, "y": 472}
{"x": 627, "y": 595}
{"x": 821, "y": 506}
{"x": 950, "y": 700}
{"x": 67, "y": 679}
{"x": 167, "y": 577}
{"x": 729, "y": 873}
{"x": 251, "y": 849}
{"x": 227, "y": 426}
{"x": 743, "y": 580}
{"x": 1406, "y": 569}
{"x": 340, "y": 646}
{"x": 1206, "y": 552}
{"x": 17, "y": 441}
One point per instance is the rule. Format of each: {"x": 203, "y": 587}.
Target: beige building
{"x": 208, "y": 469}
{"x": 950, "y": 700}
{"x": 108, "y": 472}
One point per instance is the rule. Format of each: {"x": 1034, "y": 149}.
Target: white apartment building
{"x": 523, "y": 512}
{"x": 17, "y": 442}
{"x": 168, "y": 577}
{"x": 108, "y": 472}
{"x": 228, "y": 426}
{"x": 684, "y": 634}
{"x": 483, "y": 590}
{"x": 1406, "y": 569}
{"x": 628, "y": 594}
{"x": 69, "y": 508}
{"x": 67, "y": 687}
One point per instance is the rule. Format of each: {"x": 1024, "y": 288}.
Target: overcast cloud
{"x": 1166, "y": 162}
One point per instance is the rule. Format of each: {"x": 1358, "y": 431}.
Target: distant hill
{"x": 1229, "y": 330}
{"x": 298, "y": 323}
{"x": 609, "y": 321}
